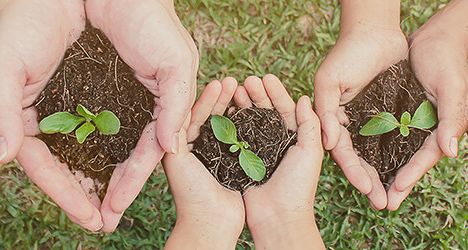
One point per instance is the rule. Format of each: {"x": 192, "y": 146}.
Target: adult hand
{"x": 286, "y": 202}
{"x": 209, "y": 216}
{"x": 369, "y": 42}
{"x": 151, "y": 40}
{"x": 438, "y": 54}
{"x": 33, "y": 38}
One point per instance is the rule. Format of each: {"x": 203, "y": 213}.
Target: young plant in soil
{"x": 93, "y": 75}
{"x": 225, "y": 131}
{"x": 424, "y": 118}
{"x": 263, "y": 131}
{"x": 373, "y": 113}
{"x": 63, "y": 122}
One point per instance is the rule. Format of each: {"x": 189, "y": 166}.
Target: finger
{"x": 241, "y": 98}
{"x": 87, "y": 184}
{"x": 378, "y": 195}
{"x": 349, "y": 162}
{"x": 110, "y": 217}
{"x": 30, "y": 124}
{"x": 229, "y": 85}
{"x": 11, "y": 124}
{"x": 424, "y": 159}
{"x": 452, "y": 115}
{"x": 308, "y": 125}
{"x": 136, "y": 171}
{"x": 176, "y": 99}
{"x": 89, "y": 225}
{"x": 395, "y": 197}
{"x": 281, "y": 100}
{"x": 257, "y": 93}
{"x": 202, "y": 108}
{"x": 56, "y": 185}
{"x": 326, "y": 102}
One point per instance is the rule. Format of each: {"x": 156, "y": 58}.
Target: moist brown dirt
{"x": 92, "y": 74}
{"x": 263, "y": 129}
{"x": 395, "y": 91}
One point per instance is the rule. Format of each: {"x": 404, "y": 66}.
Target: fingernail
{"x": 175, "y": 143}
{"x": 99, "y": 228}
{"x": 3, "y": 148}
{"x": 454, "y": 146}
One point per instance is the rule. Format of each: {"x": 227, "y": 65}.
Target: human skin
{"x": 438, "y": 56}
{"x": 280, "y": 213}
{"x": 370, "y": 41}
{"x": 149, "y": 37}
{"x": 209, "y": 216}
{"x": 33, "y": 38}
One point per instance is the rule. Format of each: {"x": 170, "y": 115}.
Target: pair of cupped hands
{"x": 148, "y": 35}
{"x": 437, "y": 53}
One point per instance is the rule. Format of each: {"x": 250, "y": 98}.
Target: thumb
{"x": 177, "y": 96}
{"x": 327, "y": 101}
{"x": 11, "y": 124}
{"x": 452, "y": 115}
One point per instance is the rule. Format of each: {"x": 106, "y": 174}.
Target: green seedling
{"x": 64, "y": 122}
{"x": 225, "y": 131}
{"x": 424, "y": 118}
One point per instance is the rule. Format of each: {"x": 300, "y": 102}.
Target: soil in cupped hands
{"x": 395, "y": 91}
{"x": 263, "y": 129}
{"x": 92, "y": 74}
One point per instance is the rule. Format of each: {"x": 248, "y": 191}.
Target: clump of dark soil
{"x": 92, "y": 74}
{"x": 395, "y": 91}
{"x": 263, "y": 129}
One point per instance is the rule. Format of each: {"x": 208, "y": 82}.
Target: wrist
{"x": 203, "y": 233}
{"x": 370, "y": 14}
{"x": 104, "y": 13}
{"x": 448, "y": 27}
{"x": 287, "y": 231}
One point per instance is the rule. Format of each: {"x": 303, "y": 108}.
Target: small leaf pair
{"x": 64, "y": 122}
{"x": 225, "y": 131}
{"x": 423, "y": 118}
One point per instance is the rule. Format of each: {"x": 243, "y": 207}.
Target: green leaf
{"x": 382, "y": 123}
{"x": 107, "y": 122}
{"x": 62, "y": 122}
{"x": 224, "y": 129}
{"x": 234, "y": 148}
{"x": 424, "y": 117}
{"x": 405, "y": 118}
{"x": 84, "y": 112}
{"x": 83, "y": 131}
{"x": 404, "y": 131}
{"x": 252, "y": 165}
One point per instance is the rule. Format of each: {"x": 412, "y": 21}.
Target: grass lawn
{"x": 289, "y": 38}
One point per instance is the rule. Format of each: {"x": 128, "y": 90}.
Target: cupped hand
{"x": 33, "y": 38}
{"x": 360, "y": 54}
{"x": 207, "y": 213}
{"x": 438, "y": 56}
{"x": 151, "y": 40}
{"x": 286, "y": 202}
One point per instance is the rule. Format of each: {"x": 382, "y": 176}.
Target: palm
{"x": 152, "y": 41}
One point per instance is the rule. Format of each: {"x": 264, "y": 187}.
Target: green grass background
{"x": 289, "y": 38}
